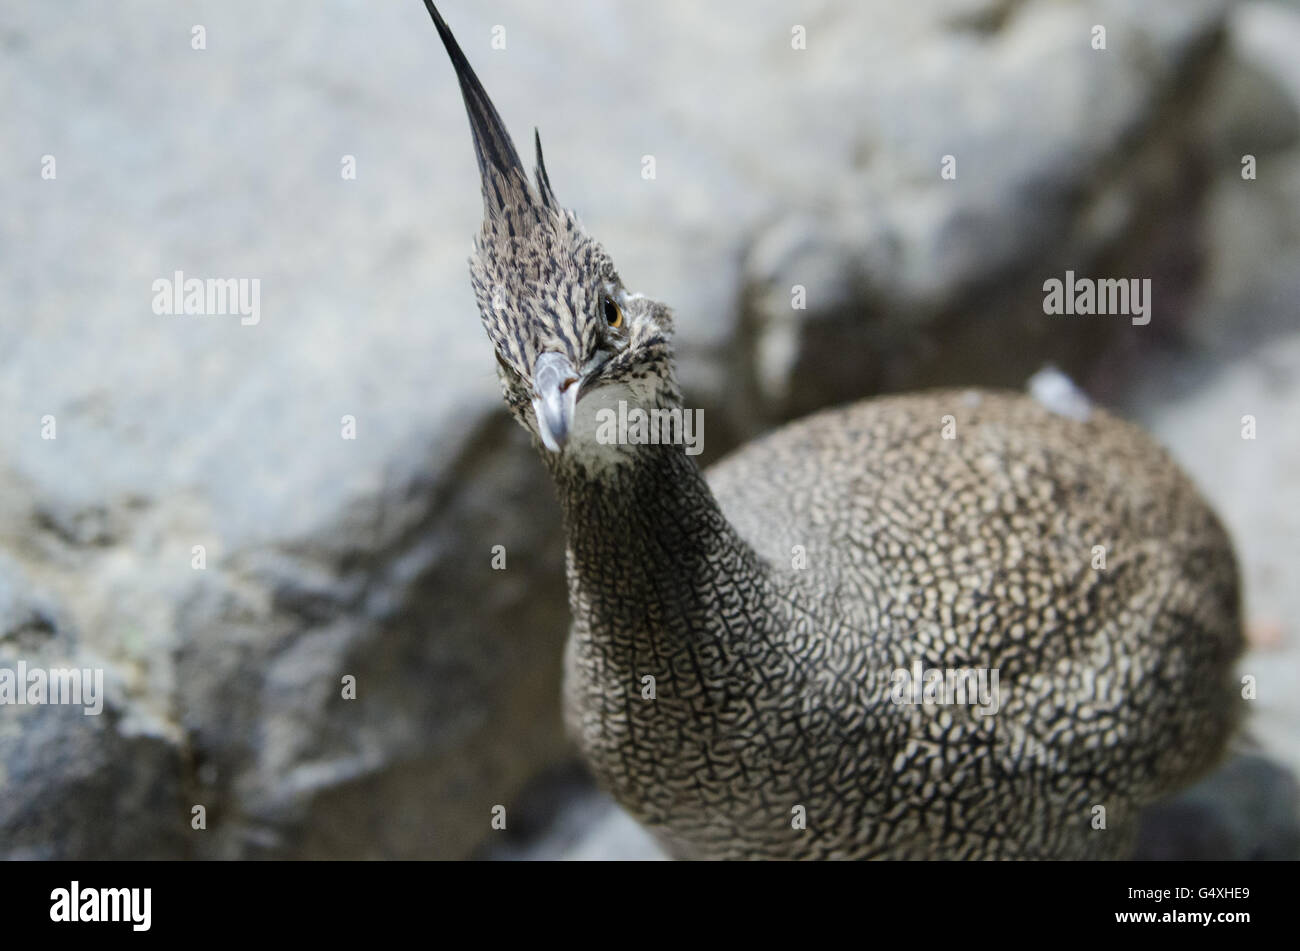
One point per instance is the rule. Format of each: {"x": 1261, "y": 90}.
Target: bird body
{"x": 776, "y": 604}
{"x": 945, "y": 625}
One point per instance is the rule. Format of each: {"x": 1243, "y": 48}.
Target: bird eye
{"x": 613, "y": 313}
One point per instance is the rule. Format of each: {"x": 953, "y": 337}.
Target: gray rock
{"x": 1238, "y": 356}
{"x": 1247, "y": 811}
{"x": 77, "y": 785}
{"x": 562, "y": 817}
{"x": 1065, "y": 157}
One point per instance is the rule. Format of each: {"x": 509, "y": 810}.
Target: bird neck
{"x": 649, "y": 548}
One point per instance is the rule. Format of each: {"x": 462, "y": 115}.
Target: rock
{"x": 1061, "y": 156}
{"x": 562, "y": 817}
{"x": 1247, "y": 811}
{"x": 1237, "y": 358}
{"x": 78, "y": 785}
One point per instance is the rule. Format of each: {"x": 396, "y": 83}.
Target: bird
{"x": 952, "y": 624}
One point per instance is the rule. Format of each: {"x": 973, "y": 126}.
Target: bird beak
{"x": 555, "y": 391}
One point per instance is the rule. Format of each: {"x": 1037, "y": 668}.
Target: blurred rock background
{"x": 774, "y": 167}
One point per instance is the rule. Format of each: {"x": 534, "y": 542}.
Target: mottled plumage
{"x": 731, "y": 673}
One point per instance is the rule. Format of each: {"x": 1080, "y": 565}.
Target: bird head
{"x": 567, "y": 333}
